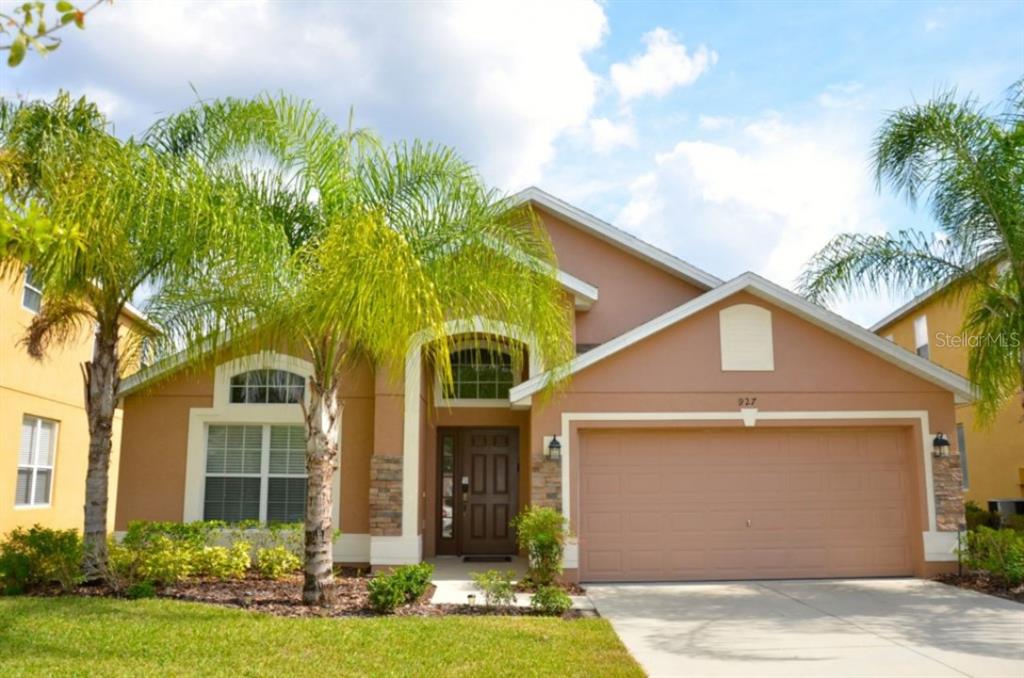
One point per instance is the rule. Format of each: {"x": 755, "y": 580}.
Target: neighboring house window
{"x": 32, "y": 295}
{"x": 921, "y": 336}
{"x": 255, "y": 472}
{"x": 961, "y": 444}
{"x": 745, "y": 332}
{"x": 479, "y": 373}
{"x": 267, "y": 386}
{"x": 35, "y": 462}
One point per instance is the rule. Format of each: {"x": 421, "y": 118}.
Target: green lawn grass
{"x": 105, "y": 637}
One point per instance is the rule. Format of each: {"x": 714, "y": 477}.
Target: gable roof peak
{"x": 618, "y": 237}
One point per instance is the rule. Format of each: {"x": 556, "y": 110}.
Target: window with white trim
{"x": 267, "y": 386}
{"x": 35, "y": 462}
{"x": 921, "y": 336}
{"x": 255, "y": 472}
{"x": 480, "y": 373}
{"x": 32, "y": 294}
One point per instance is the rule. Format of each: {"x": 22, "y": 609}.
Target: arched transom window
{"x": 267, "y": 386}
{"x": 480, "y": 373}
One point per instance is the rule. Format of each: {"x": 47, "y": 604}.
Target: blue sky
{"x": 735, "y": 135}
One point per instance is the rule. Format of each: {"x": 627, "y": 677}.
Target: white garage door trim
{"x": 938, "y": 546}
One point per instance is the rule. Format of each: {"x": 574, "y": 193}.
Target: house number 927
{"x": 747, "y": 401}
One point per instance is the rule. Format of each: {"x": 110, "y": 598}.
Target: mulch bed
{"x": 283, "y": 598}
{"x": 983, "y": 582}
{"x": 572, "y": 588}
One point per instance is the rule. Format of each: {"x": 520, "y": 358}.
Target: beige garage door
{"x": 663, "y": 505}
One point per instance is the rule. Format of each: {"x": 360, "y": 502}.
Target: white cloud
{"x": 713, "y": 123}
{"x": 764, "y": 201}
{"x": 665, "y": 65}
{"x": 500, "y": 81}
{"x": 843, "y": 95}
{"x": 606, "y": 135}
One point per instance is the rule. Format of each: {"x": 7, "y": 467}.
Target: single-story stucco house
{"x": 710, "y": 430}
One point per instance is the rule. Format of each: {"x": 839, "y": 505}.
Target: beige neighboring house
{"x": 992, "y": 457}
{"x": 43, "y": 425}
{"x": 711, "y": 430}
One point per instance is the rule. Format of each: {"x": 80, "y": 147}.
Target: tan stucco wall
{"x": 679, "y": 370}
{"x": 995, "y": 454}
{"x": 52, "y": 389}
{"x": 630, "y": 290}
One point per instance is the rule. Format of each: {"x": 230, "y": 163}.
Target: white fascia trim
{"x": 906, "y": 308}
{"x": 584, "y": 294}
{"x": 618, "y": 237}
{"x": 785, "y": 299}
{"x": 749, "y": 418}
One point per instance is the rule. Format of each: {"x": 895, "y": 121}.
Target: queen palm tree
{"x": 358, "y": 247}
{"x": 97, "y": 219}
{"x": 968, "y": 165}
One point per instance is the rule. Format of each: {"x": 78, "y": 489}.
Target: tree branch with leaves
{"x": 31, "y": 26}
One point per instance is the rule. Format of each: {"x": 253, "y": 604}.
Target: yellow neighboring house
{"x": 43, "y": 426}
{"x": 993, "y": 458}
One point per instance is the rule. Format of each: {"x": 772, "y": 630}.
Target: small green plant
{"x": 38, "y": 556}
{"x": 551, "y": 600}
{"x": 142, "y": 589}
{"x": 498, "y": 587}
{"x": 166, "y": 561}
{"x": 541, "y": 533}
{"x": 386, "y": 593}
{"x": 1000, "y": 552}
{"x": 276, "y": 562}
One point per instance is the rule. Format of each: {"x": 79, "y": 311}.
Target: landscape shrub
{"x": 498, "y": 587}
{"x": 38, "y": 556}
{"x": 413, "y": 580}
{"x": 551, "y": 600}
{"x": 386, "y": 593}
{"x": 1014, "y": 521}
{"x": 276, "y": 562}
{"x": 541, "y": 533}
{"x": 142, "y": 589}
{"x": 1000, "y": 552}
{"x": 402, "y": 585}
{"x": 222, "y": 562}
{"x": 975, "y": 516}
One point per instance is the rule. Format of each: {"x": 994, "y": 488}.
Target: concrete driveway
{"x": 878, "y": 627}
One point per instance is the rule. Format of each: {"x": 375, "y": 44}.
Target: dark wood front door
{"x": 479, "y": 470}
{"x": 489, "y": 472}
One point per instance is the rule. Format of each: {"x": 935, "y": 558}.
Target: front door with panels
{"x": 479, "y": 470}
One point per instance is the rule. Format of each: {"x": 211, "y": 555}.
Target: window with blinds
{"x": 35, "y": 462}
{"x": 255, "y": 472}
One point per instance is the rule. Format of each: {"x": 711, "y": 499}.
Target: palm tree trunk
{"x": 321, "y": 461}
{"x": 101, "y": 383}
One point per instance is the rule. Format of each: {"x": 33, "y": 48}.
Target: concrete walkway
{"x": 454, "y": 583}
{"x": 837, "y": 628}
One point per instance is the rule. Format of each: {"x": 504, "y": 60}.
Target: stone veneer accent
{"x": 546, "y": 483}
{"x": 386, "y": 495}
{"x": 949, "y": 494}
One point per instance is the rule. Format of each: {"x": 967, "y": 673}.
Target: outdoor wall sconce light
{"x": 471, "y": 599}
{"x": 940, "y": 446}
{"x": 553, "y": 452}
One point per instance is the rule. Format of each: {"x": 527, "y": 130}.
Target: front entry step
{"x": 487, "y": 559}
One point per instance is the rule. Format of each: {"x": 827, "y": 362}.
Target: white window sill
{"x": 31, "y": 507}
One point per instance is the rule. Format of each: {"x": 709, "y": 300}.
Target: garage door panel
{"x": 671, "y": 505}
